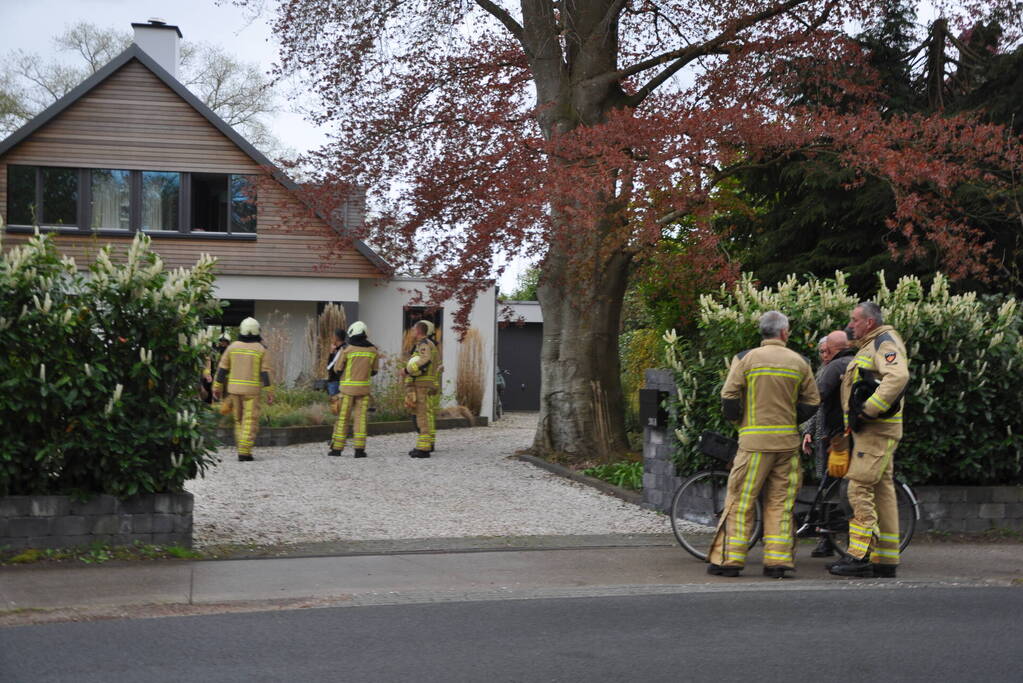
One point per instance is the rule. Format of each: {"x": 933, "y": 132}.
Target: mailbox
{"x": 651, "y": 414}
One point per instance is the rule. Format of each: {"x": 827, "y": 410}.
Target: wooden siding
{"x": 133, "y": 121}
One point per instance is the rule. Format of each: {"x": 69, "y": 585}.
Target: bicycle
{"x": 699, "y": 501}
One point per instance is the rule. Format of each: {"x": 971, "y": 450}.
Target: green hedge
{"x": 964, "y": 408}
{"x": 98, "y": 385}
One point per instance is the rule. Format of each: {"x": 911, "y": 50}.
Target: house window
{"x": 111, "y": 199}
{"x": 21, "y": 195}
{"x": 223, "y": 203}
{"x": 42, "y": 195}
{"x": 243, "y": 204}
{"x": 233, "y": 312}
{"x": 413, "y": 314}
{"x": 161, "y": 197}
{"x": 115, "y": 199}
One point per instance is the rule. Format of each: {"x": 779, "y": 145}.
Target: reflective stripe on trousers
{"x": 779, "y": 474}
{"x": 874, "y": 528}
{"x": 426, "y": 413}
{"x": 246, "y": 422}
{"x": 352, "y": 415}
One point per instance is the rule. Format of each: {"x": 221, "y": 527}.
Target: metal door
{"x": 518, "y": 356}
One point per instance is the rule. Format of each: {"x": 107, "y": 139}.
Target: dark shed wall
{"x": 519, "y": 356}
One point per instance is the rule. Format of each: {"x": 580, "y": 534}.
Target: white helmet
{"x": 249, "y": 327}
{"x": 429, "y": 327}
{"x": 357, "y": 328}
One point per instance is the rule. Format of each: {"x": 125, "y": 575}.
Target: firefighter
{"x": 770, "y": 389}
{"x": 244, "y": 368}
{"x": 872, "y": 391}
{"x": 358, "y": 361}
{"x": 828, "y": 420}
{"x": 422, "y": 388}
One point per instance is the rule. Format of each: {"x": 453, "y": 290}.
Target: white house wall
{"x": 287, "y": 288}
{"x": 381, "y": 307}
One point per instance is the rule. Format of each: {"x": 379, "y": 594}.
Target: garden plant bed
{"x": 286, "y": 436}
{"x": 634, "y": 497}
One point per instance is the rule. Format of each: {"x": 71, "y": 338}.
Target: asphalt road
{"x": 905, "y": 634}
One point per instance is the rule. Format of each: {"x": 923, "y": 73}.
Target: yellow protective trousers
{"x": 351, "y": 416}
{"x": 780, "y": 475}
{"x": 245, "y": 409}
{"x": 874, "y": 527}
{"x": 426, "y": 417}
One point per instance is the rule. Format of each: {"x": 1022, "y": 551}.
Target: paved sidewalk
{"x": 56, "y": 593}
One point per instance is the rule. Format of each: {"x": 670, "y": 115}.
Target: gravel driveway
{"x": 470, "y": 487}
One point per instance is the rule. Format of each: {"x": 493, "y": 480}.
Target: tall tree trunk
{"x": 570, "y": 51}
{"x": 580, "y": 369}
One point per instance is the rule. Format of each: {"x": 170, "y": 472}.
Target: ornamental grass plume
{"x": 472, "y": 372}
{"x": 277, "y": 339}
{"x": 319, "y": 337}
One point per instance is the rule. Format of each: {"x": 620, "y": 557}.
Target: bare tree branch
{"x": 681, "y": 57}
{"x": 502, "y": 15}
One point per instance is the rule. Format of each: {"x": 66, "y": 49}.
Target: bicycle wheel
{"x": 696, "y": 508}
{"x": 839, "y": 512}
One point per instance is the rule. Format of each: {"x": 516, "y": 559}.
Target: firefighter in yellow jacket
{"x": 872, "y": 391}
{"x": 769, "y": 391}
{"x": 243, "y": 369}
{"x": 422, "y": 387}
{"x": 356, "y": 365}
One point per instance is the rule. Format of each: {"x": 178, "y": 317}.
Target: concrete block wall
{"x": 970, "y": 509}
{"x": 62, "y": 522}
{"x": 659, "y": 477}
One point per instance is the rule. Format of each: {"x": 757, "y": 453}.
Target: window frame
{"x": 84, "y": 206}
{"x": 37, "y": 198}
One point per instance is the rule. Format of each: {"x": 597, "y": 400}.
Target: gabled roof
{"x": 135, "y": 52}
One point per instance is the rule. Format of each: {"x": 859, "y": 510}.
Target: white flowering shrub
{"x": 963, "y": 414}
{"x": 99, "y": 373}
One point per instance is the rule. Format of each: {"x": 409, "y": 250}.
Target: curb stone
{"x": 634, "y": 497}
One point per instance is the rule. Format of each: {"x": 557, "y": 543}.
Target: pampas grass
{"x": 472, "y": 372}
{"x": 319, "y": 337}
{"x": 277, "y": 340}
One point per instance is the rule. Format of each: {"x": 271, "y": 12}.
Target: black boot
{"x": 777, "y": 572}
{"x": 825, "y": 548}
{"x": 885, "y": 571}
{"x": 718, "y": 570}
{"x": 851, "y": 566}
{"x": 360, "y": 453}
{"x": 416, "y": 453}
{"x": 245, "y": 458}
{"x": 334, "y": 452}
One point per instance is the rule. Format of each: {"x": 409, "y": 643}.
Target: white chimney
{"x": 160, "y": 41}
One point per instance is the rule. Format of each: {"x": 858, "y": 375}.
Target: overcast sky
{"x": 31, "y": 25}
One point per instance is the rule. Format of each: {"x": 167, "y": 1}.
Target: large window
{"x": 114, "y": 199}
{"x": 243, "y": 204}
{"x": 21, "y": 195}
{"x": 161, "y": 197}
{"x": 42, "y": 195}
{"x": 223, "y": 203}
{"x": 111, "y": 199}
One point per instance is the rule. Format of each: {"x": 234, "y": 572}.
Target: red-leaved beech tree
{"x": 576, "y": 132}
